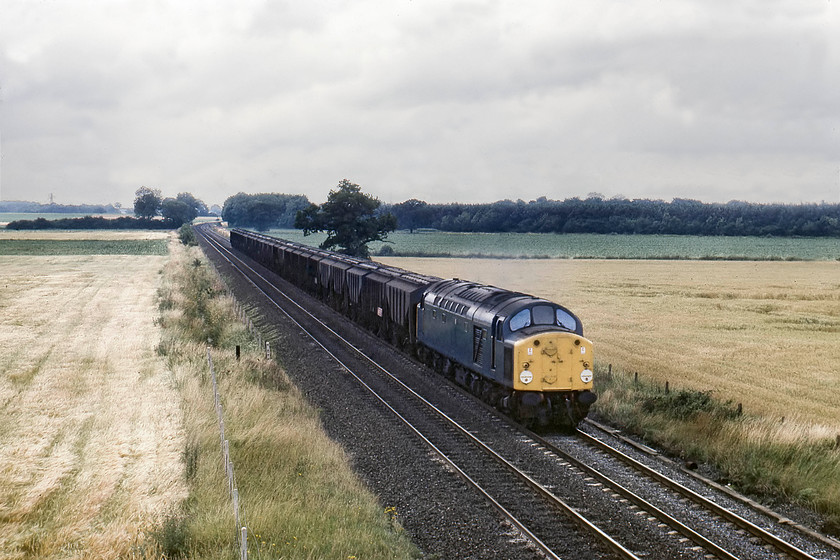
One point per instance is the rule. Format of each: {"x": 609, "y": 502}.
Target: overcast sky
{"x": 442, "y": 100}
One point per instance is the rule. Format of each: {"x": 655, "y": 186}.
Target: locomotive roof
{"x": 483, "y": 302}
{"x": 469, "y": 293}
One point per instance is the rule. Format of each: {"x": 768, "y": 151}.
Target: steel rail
{"x": 806, "y": 532}
{"x": 732, "y": 517}
{"x": 663, "y": 516}
{"x": 543, "y": 492}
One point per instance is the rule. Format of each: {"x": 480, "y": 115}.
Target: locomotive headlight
{"x": 586, "y": 375}
{"x": 526, "y": 377}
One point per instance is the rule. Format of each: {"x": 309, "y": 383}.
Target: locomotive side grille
{"x": 478, "y": 344}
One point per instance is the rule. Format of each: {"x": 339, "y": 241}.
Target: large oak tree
{"x": 349, "y": 218}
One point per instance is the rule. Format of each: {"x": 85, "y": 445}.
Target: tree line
{"x": 177, "y": 211}
{"x": 622, "y": 216}
{"x": 90, "y": 222}
{"x": 350, "y": 217}
{"x": 25, "y": 207}
{"x": 148, "y": 205}
{"x": 263, "y": 211}
{"x": 593, "y": 214}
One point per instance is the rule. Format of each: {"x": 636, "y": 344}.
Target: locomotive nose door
{"x": 495, "y": 336}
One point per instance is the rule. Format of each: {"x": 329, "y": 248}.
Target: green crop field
{"x": 6, "y": 217}
{"x": 82, "y": 242}
{"x": 593, "y": 246}
{"x": 52, "y": 247}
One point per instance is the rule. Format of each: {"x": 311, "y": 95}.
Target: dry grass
{"x": 761, "y": 333}
{"x": 90, "y": 427}
{"x": 297, "y": 489}
{"x": 108, "y": 439}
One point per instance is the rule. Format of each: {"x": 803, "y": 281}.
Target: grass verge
{"x": 783, "y": 460}
{"x": 299, "y": 496}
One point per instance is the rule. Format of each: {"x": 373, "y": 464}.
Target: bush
{"x": 686, "y": 404}
{"x": 187, "y": 235}
{"x": 173, "y": 537}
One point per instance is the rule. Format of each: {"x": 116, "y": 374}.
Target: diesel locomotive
{"x": 524, "y": 355}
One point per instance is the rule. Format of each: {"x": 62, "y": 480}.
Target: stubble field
{"x": 109, "y": 444}
{"x": 90, "y": 425}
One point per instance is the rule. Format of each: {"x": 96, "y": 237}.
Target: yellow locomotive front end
{"x": 551, "y": 374}
{"x": 553, "y": 361}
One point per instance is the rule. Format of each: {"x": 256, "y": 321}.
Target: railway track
{"x": 559, "y": 503}
{"x": 777, "y": 531}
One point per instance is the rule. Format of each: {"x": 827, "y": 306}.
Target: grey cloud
{"x": 470, "y": 101}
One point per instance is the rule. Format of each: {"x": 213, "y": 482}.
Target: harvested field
{"x": 761, "y": 333}
{"x": 90, "y": 423}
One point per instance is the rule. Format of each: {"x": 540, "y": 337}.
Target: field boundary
{"x": 239, "y": 514}
{"x": 233, "y": 490}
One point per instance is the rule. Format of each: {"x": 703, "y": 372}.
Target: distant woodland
{"x": 622, "y": 216}
{"x": 263, "y": 211}
{"x": 573, "y": 215}
{"x": 19, "y": 206}
{"x": 90, "y": 222}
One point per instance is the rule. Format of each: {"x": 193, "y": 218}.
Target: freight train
{"x": 524, "y": 355}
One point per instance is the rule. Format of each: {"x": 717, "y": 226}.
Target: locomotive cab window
{"x": 565, "y": 320}
{"x": 543, "y": 315}
{"x": 520, "y": 320}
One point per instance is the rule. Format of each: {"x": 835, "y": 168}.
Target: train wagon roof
{"x": 340, "y": 264}
{"x": 407, "y": 283}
